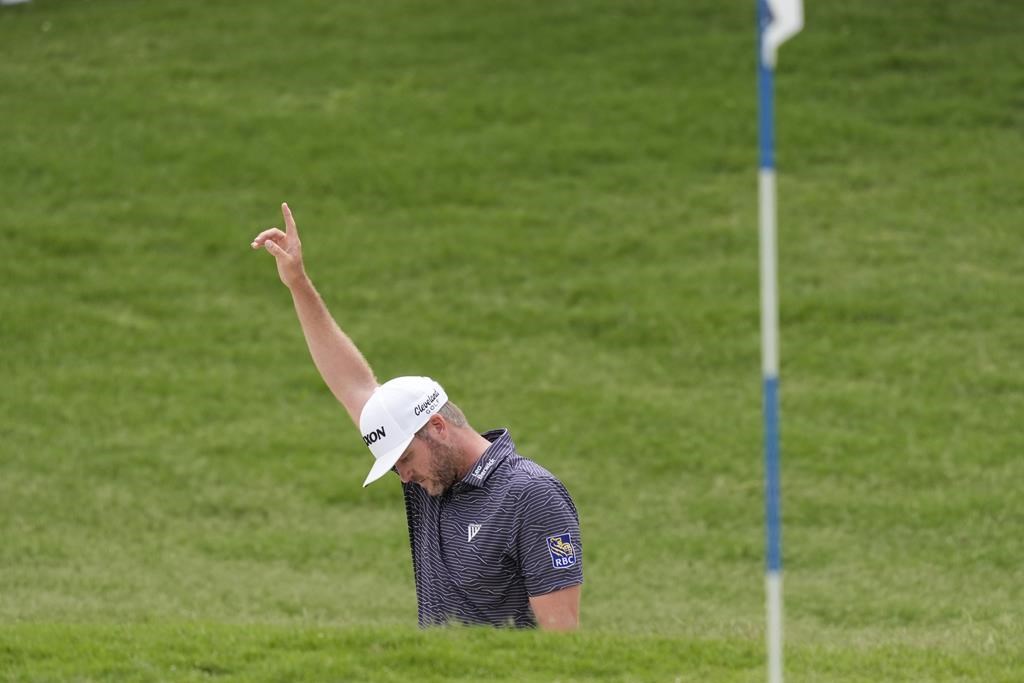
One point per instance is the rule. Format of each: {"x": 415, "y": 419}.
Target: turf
{"x": 550, "y": 207}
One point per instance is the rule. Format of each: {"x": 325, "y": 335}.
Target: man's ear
{"x": 438, "y": 425}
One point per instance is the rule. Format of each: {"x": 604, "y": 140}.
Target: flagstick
{"x": 770, "y": 371}
{"x": 777, "y": 20}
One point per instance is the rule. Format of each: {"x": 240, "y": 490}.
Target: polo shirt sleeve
{"x": 548, "y": 545}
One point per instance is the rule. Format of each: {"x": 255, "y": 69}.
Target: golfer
{"x": 495, "y": 537}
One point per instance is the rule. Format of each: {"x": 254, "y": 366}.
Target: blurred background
{"x": 551, "y": 208}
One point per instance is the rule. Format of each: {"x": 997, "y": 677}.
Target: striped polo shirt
{"x": 507, "y": 531}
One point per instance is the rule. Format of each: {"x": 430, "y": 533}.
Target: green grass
{"x": 200, "y": 651}
{"x": 550, "y": 207}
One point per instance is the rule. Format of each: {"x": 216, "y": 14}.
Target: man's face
{"x": 429, "y": 463}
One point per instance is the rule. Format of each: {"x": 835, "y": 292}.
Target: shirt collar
{"x": 501, "y": 447}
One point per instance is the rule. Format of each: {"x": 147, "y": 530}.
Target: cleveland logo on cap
{"x": 374, "y": 436}
{"x": 427, "y": 404}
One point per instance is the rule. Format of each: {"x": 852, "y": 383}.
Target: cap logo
{"x": 374, "y": 436}
{"x": 427, "y": 405}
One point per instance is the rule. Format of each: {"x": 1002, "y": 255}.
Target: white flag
{"x": 787, "y": 18}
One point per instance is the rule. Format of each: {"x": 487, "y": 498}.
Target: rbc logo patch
{"x": 563, "y": 555}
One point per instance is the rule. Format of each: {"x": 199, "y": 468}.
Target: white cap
{"x": 395, "y": 412}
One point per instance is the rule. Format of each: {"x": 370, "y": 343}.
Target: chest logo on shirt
{"x": 471, "y": 531}
{"x": 563, "y": 554}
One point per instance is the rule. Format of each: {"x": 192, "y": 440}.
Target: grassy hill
{"x": 551, "y": 208}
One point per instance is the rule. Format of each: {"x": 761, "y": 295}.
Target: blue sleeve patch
{"x": 563, "y": 554}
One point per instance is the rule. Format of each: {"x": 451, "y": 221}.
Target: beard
{"x": 444, "y": 469}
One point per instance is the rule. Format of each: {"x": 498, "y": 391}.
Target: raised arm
{"x": 340, "y": 363}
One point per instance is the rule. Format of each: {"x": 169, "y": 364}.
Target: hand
{"x": 285, "y": 248}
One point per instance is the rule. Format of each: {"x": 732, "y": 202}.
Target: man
{"x": 495, "y": 537}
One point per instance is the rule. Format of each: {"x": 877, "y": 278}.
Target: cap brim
{"x": 385, "y": 462}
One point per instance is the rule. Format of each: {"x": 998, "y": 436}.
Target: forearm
{"x": 339, "y": 361}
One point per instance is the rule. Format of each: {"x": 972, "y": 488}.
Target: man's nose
{"x": 403, "y": 473}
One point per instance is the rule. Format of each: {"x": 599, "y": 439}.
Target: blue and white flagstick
{"x": 777, "y": 20}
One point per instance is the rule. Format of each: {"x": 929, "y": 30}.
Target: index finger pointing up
{"x": 289, "y": 222}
